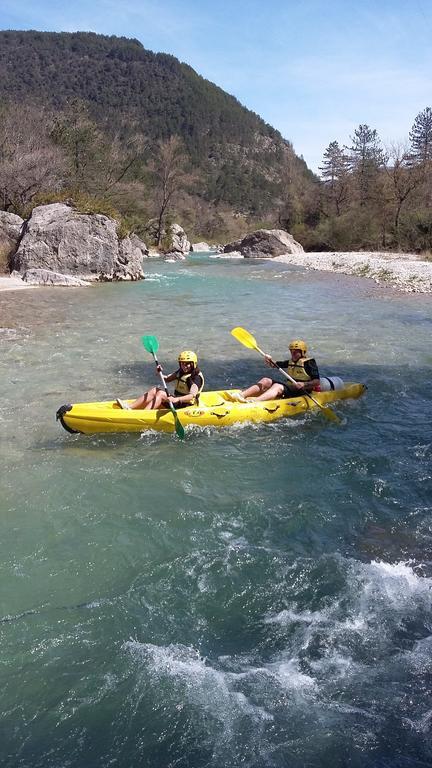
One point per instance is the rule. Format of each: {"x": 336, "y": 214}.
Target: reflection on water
{"x": 256, "y": 596}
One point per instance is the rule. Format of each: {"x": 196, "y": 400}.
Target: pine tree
{"x": 421, "y": 138}
{"x": 367, "y": 158}
{"x": 334, "y": 174}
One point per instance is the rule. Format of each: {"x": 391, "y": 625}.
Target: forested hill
{"x": 127, "y": 86}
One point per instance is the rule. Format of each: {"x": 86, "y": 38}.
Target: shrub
{"x": 5, "y": 254}
{"x": 84, "y": 203}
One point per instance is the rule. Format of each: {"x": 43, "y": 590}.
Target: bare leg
{"x": 257, "y": 389}
{"x": 271, "y": 393}
{"x": 146, "y": 400}
{"x": 160, "y": 401}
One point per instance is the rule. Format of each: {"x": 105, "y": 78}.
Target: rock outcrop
{"x": 180, "y": 243}
{"x": 47, "y": 277}
{"x": 10, "y": 232}
{"x": 265, "y": 244}
{"x": 59, "y": 239}
{"x": 10, "y": 226}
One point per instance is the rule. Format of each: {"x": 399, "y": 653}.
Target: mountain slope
{"x": 128, "y": 87}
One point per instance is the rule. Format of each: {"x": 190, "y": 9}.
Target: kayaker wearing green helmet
{"x": 301, "y": 368}
{"x": 189, "y": 382}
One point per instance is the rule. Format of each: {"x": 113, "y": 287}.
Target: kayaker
{"x": 189, "y": 382}
{"x": 301, "y": 368}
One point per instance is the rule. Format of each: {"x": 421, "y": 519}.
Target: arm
{"x": 272, "y": 364}
{"x": 171, "y": 376}
{"x": 311, "y": 369}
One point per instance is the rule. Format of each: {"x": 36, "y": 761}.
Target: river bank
{"x": 405, "y": 272}
{"x": 9, "y": 283}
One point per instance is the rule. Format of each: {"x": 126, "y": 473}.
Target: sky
{"x": 313, "y": 69}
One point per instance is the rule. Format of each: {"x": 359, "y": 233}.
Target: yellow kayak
{"x": 216, "y": 409}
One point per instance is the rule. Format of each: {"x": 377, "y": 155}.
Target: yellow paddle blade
{"x": 326, "y": 411}
{"x": 244, "y": 337}
{"x": 330, "y": 415}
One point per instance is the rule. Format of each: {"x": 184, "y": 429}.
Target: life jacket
{"x": 183, "y": 384}
{"x": 297, "y": 370}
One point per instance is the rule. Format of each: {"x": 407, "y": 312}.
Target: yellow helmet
{"x": 187, "y": 357}
{"x": 298, "y": 344}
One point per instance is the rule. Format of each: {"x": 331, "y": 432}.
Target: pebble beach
{"x": 402, "y": 271}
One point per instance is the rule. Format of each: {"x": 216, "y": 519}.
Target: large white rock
{"x": 180, "y": 243}
{"x": 59, "y": 239}
{"x": 265, "y": 244}
{"x": 197, "y": 247}
{"x": 10, "y": 225}
{"x": 47, "y": 277}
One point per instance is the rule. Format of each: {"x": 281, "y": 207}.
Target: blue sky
{"x": 314, "y": 69}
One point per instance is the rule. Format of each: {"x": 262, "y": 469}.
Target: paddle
{"x": 246, "y": 338}
{"x": 151, "y": 344}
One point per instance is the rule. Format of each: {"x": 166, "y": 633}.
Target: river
{"x": 255, "y": 596}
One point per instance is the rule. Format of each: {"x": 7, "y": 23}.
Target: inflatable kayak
{"x": 216, "y": 409}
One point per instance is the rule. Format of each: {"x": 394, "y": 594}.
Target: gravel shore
{"x": 403, "y": 271}
{"x": 8, "y": 283}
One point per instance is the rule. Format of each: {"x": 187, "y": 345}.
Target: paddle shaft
{"x": 151, "y": 344}
{"x": 179, "y": 426}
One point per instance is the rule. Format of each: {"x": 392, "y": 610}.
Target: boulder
{"x": 47, "y": 277}
{"x": 10, "y": 226}
{"x": 197, "y": 247}
{"x": 179, "y": 241}
{"x": 265, "y": 244}
{"x": 128, "y": 265}
{"x": 10, "y": 232}
{"x": 61, "y": 240}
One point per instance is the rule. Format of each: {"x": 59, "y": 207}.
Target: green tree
{"x": 85, "y": 146}
{"x": 366, "y": 161}
{"x": 335, "y": 177}
{"x": 421, "y": 138}
{"x": 290, "y": 210}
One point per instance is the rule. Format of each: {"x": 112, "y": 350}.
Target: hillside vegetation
{"x": 113, "y": 127}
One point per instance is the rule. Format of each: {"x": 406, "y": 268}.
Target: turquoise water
{"x": 256, "y": 596}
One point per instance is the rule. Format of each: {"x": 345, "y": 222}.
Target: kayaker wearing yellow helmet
{"x": 189, "y": 382}
{"x": 301, "y": 368}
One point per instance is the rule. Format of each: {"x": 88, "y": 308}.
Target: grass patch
{"x": 384, "y": 274}
{"x": 363, "y": 271}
